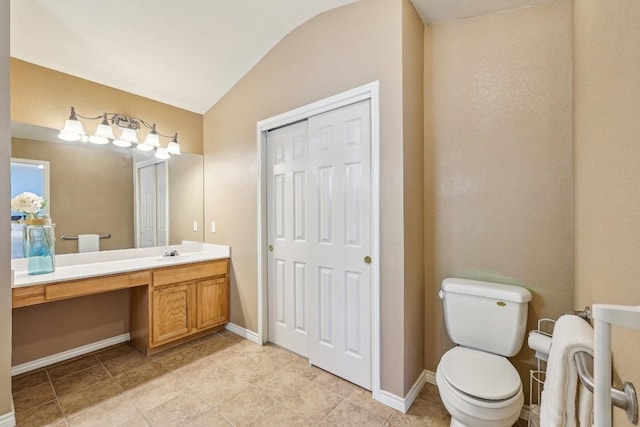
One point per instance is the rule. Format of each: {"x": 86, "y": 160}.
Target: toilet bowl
{"x": 479, "y": 389}
{"x": 477, "y": 383}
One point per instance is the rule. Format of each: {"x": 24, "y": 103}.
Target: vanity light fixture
{"x": 73, "y": 131}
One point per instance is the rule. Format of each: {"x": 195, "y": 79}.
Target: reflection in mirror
{"x": 93, "y": 191}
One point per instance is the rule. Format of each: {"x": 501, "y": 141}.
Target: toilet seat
{"x": 479, "y": 375}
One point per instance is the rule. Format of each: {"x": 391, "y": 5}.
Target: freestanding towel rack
{"x": 604, "y": 316}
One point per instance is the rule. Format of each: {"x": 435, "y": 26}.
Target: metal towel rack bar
{"x": 104, "y": 236}
{"x": 625, "y": 398}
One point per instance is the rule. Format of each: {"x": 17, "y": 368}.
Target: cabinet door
{"x": 212, "y": 302}
{"x": 172, "y": 307}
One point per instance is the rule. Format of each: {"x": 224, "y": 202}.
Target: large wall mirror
{"x": 102, "y": 189}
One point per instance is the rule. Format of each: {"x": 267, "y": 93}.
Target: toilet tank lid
{"x": 491, "y": 290}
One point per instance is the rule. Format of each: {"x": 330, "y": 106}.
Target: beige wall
{"x": 498, "y": 96}
{"x": 91, "y": 191}
{"x": 186, "y": 198}
{"x": 413, "y": 137}
{"x": 6, "y": 401}
{"x": 331, "y": 53}
{"x": 43, "y": 97}
{"x": 607, "y": 177}
{"x": 46, "y": 329}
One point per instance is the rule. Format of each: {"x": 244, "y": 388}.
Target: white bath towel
{"x": 560, "y": 393}
{"x": 88, "y": 243}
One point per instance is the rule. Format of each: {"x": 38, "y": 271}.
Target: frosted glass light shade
{"x": 121, "y": 143}
{"x": 152, "y": 140}
{"x": 162, "y": 153}
{"x": 144, "y": 147}
{"x": 174, "y": 148}
{"x": 129, "y": 135}
{"x": 103, "y": 134}
{"x": 72, "y": 131}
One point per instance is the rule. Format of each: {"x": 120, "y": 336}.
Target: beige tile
{"x": 33, "y": 396}
{"x": 421, "y": 413}
{"x": 335, "y": 384}
{"x": 248, "y": 347}
{"x": 79, "y": 380}
{"x": 115, "y": 351}
{"x": 115, "y": 412}
{"x": 140, "y": 375}
{"x": 361, "y": 397}
{"x": 210, "y": 419}
{"x": 247, "y": 407}
{"x": 281, "y": 356}
{"x": 137, "y": 421}
{"x": 213, "y": 345}
{"x": 46, "y": 414}
{"x": 282, "y": 416}
{"x": 219, "y": 389}
{"x": 230, "y": 358}
{"x": 66, "y": 368}
{"x": 281, "y": 384}
{"x": 30, "y": 379}
{"x": 302, "y": 367}
{"x": 120, "y": 364}
{"x": 93, "y": 395}
{"x": 156, "y": 392}
{"x": 200, "y": 370}
{"x": 184, "y": 356}
{"x": 250, "y": 371}
{"x": 348, "y": 414}
{"x": 180, "y": 411}
{"x": 230, "y": 335}
{"x": 313, "y": 402}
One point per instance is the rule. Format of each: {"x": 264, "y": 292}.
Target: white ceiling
{"x": 185, "y": 53}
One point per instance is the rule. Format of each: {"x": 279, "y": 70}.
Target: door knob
{"x": 367, "y": 259}
{"x": 270, "y": 248}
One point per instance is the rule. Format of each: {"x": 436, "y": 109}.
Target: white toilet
{"x": 477, "y": 384}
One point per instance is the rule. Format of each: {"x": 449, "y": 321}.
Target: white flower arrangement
{"x": 28, "y": 203}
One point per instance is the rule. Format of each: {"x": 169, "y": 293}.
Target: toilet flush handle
{"x": 441, "y": 294}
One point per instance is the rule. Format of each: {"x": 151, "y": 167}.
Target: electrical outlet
{"x": 195, "y": 225}
{"x": 213, "y": 226}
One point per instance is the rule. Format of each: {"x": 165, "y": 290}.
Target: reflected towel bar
{"x": 104, "y": 236}
{"x": 625, "y": 398}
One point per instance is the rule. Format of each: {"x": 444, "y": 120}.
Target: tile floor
{"x": 218, "y": 380}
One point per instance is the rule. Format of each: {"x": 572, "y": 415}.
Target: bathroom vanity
{"x": 171, "y": 298}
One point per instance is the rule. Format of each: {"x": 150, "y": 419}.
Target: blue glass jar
{"x": 39, "y": 245}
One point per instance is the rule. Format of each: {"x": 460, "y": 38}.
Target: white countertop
{"x": 81, "y": 266}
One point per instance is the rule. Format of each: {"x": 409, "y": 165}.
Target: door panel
{"x": 147, "y": 188}
{"x": 171, "y": 316}
{"x": 212, "y": 302}
{"x": 339, "y": 170}
{"x": 287, "y": 234}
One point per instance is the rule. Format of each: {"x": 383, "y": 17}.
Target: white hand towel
{"x": 88, "y": 243}
{"x": 558, "y": 404}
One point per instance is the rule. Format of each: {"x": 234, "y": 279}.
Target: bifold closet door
{"x": 319, "y": 236}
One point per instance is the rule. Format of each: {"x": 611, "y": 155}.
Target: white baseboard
{"x": 244, "y": 333}
{"x": 403, "y": 404}
{"x": 430, "y": 377}
{"x": 69, "y": 354}
{"x": 8, "y": 419}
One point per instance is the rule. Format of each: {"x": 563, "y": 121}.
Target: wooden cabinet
{"x": 172, "y": 311}
{"x": 212, "y": 303}
{"x": 188, "y": 299}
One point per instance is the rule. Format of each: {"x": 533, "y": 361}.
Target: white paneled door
{"x": 152, "y": 209}
{"x": 319, "y": 230}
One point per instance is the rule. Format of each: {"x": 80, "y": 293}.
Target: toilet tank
{"x": 486, "y": 316}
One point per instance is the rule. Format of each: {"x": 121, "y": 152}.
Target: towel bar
{"x": 104, "y": 236}
{"x": 625, "y": 398}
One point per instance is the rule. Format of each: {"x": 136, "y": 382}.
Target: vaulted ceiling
{"x": 188, "y": 53}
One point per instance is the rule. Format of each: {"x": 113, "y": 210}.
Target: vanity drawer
{"x": 185, "y": 273}
{"x": 87, "y": 287}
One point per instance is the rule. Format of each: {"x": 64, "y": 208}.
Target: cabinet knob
{"x": 270, "y": 248}
{"x": 367, "y": 259}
